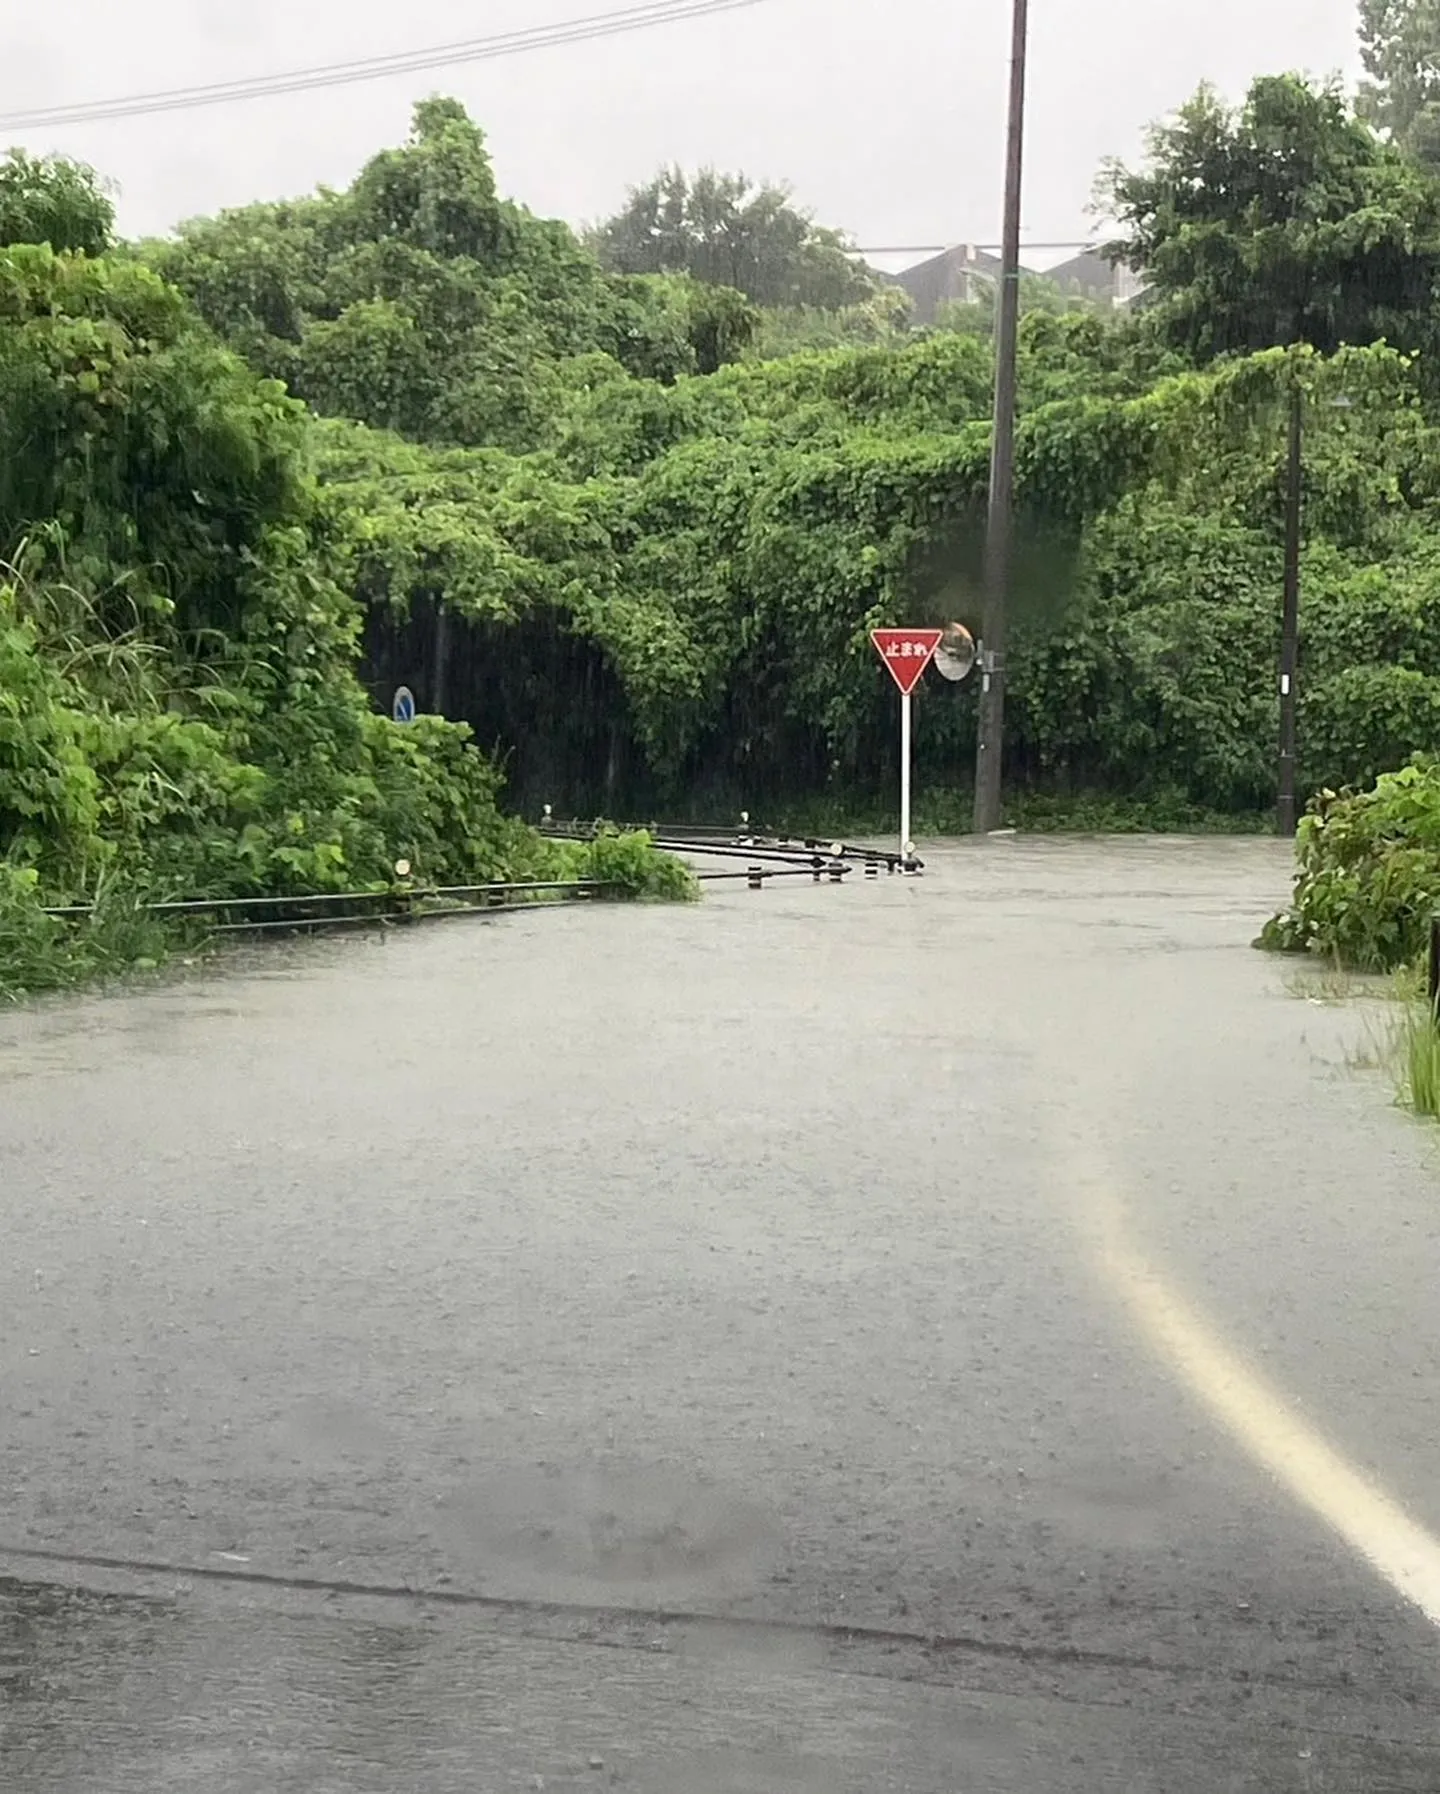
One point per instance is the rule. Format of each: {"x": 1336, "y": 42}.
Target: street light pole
{"x": 1285, "y": 815}
{"x": 990, "y": 744}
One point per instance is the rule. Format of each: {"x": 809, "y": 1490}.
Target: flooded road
{"x": 971, "y": 1332}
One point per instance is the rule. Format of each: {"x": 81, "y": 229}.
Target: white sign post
{"x": 906, "y": 654}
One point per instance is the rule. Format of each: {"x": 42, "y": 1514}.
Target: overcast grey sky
{"x": 885, "y": 115}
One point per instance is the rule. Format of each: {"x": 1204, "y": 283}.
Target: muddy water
{"x": 635, "y": 1337}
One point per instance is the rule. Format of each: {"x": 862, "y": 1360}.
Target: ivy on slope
{"x": 418, "y": 301}
{"x": 722, "y": 546}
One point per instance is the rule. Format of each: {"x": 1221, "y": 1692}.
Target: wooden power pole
{"x": 1000, "y": 519}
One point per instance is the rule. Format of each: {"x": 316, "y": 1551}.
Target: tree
{"x": 437, "y": 192}
{"x": 48, "y": 199}
{"x": 1400, "y": 48}
{"x": 419, "y": 301}
{"x": 726, "y": 231}
{"x": 1287, "y": 220}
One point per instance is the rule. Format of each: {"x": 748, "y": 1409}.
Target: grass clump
{"x": 1420, "y": 1061}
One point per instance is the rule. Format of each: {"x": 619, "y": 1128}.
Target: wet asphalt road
{"x": 690, "y": 1350}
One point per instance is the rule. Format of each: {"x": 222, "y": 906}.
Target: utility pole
{"x": 990, "y": 747}
{"x": 1290, "y": 621}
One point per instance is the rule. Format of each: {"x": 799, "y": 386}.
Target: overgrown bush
{"x": 1369, "y": 873}
{"x": 630, "y": 863}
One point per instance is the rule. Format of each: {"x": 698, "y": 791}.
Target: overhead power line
{"x": 945, "y": 248}
{"x": 374, "y": 68}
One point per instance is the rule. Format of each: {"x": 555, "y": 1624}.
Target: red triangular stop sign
{"x": 907, "y": 653}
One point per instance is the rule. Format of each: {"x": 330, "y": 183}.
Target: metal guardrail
{"x": 309, "y": 911}
{"x": 692, "y": 839}
{"x": 766, "y": 857}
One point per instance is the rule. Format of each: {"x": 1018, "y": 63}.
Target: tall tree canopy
{"x": 1285, "y": 220}
{"x": 727, "y": 231}
{"x": 49, "y": 199}
{"x": 1400, "y": 48}
{"x": 419, "y": 301}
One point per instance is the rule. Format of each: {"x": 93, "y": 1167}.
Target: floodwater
{"x": 744, "y": 1347}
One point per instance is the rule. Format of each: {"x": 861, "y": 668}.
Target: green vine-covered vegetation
{"x": 660, "y": 565}
{"x": 181, "y": 712}
{"x": 632, "y": 527}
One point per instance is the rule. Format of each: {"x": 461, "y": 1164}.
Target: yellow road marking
{"x": 1374, "y": 1525}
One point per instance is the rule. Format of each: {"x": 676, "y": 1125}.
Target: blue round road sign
{"x": 403, "y": 709}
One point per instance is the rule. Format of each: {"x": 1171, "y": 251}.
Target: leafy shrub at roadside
{"x": 1369, "y": 873}
{"x": 631, "y": 865}
{"x": 39, "y": 952}
{"x": 31, "y": 943}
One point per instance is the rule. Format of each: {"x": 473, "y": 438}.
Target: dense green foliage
{"x": 1285, "y": 220}
{"x": 726, "y": 231}
{"x": 659, "y": 575}
{"x": 421, "y": 302}
{"x": 180, "y": 712}
{"x": 721, "y": 549}
{"x": 1038, "y": 293}
{"x": 658, "y": 516}
{"x": 783, "y": 330}
{"x": 1369, "y": 873}
{"x": 179, "y": 674}
{"x": 44, "y": 199}
{"x": 1290, "y": 221}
